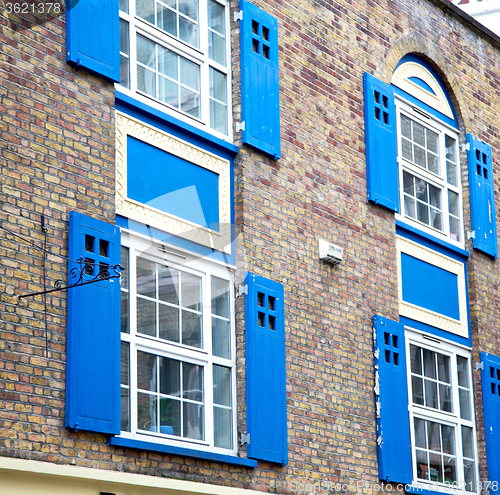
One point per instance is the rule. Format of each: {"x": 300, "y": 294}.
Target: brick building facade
{"x": 207, "y": 147}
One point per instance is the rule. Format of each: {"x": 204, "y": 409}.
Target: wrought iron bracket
{"x": 79, "y": 274}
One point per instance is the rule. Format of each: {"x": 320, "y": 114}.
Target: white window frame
{"x": 452, "y": 350}
{"x": 197, "y": 55}
{"x": 440, "y": 181}
{"x": 158, "y": 252}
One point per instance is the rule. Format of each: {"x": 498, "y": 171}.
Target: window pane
{"x": 124, "y": 37}
{"x": 221, "y": 341}
{"x": 431, "y": 394}
{"x": 124, "y": 262}
{"x": 189, "y": 8}
{"x": 443, "y": 363}
{"x": 222, "y": 386}
{"x": 188, "y": 31}
{"x": 125, "y": 409}
{"x": 169, "y": 323}
{"x": 451, "y": 173}
{"x": 432, "y": 141}
{"x": 223, "y": 428}
{"x": 217, "y": 48}
{"x": 448, "y": 439}
{"x": 220, "y": 297}
{"x": 190, "y": 102}
{"x": 433, "y": 436}
{"x": 125, "y": 367}
{"x": 190, "y": 74}
{"x": 422, "y": 213}
{"x": 418, "y": 133}
{"x": 407, "y": 149}
{"x": 464, "y": 404}
{"x": 168, "y": 285}
{"x": 436, "y": 467}
{"x": 146, "y": 317}
{"x": 146, "y": 52}
{"x": 146, "y": 278}
{"x": 419, "y": 156}
{"x": 193, "y": 421}
{"x": 168, "y": 63}
{"x": 451, "y": 149}
{"x": 146, "y": 10}
{"x": 192, "y": 379}
{"x": 146, "y": 371}
{"x": 170, "y": 377}
{"x": 191, "y": 329}
{"x": 218, "y": 116}
{"x": 168, "y": 92}
{"x": 467, "y": 442}
{"x": 405, "y": 127}
{"x": 191, "y": 291}
{"x": 445, "y": 398}
{"x": 124, "y": 6}
{"x": 450, "y": 470}
{"x": 216, "y": 17}
{"x": 170, "y": 416}
{"x": 410, "y": 207}
{"x": 429, "y": 363}
{"x": 146, "y": 81}
{"x": 167, "y": 19}
{"x": 416, "y": 359}
{"x": 453, "y": 203}
{"x": 433, "y": 163}
{"x": 463, "y": 371}
{"x": 421, "y": 190}
{"x": 417, "y": 386}
{"x": 420, "y": 436}
{"x": 218, "y": 85}
{"x": 146, "y": 412}
{"x": 125, "y": 321}
{"x": 435, "y": 197}
{"x": 422, "y": 465}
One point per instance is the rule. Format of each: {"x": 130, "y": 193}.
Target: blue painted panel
{"x": 490, "y": 378}
{"x": 440, "y": 334}
{"x": 422, "y": 84}
{"x": 414, "y": 58}
{"x": 393, "y": 423}
{"x": 171, "y": 184}
{"x": 196, "y": 249}
{"x": 410, "y": 232}
{"x": 93, "y": 340}
{"x": 260, "y": 80}
{"x": 429, "y": 287}
{"x": 266, "y": 370}
{"x": 169, "y": 449}
{"x": 482, "y": 197}
{"x": 178, "y": 128}
{"x": 381, "y": 143}
{"x": 93, "y": 36}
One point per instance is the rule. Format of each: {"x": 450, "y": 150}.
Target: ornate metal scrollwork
{"x": 82, "y": 275}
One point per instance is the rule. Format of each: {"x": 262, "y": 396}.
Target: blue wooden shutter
{"x": 266, "y": 370}
{"x": 93, "y": 340}
{"x": 381, "y": 143}
{"x": 260, "y": 80}
{"x": 93, "y": 36}
{"x": 490, "y": 378}
{"x": 391, "y": 390}
{"x": 482, "y": 196}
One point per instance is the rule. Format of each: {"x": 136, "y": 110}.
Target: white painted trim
{"x": 438, "y": 100}
{"x": 218, "y": 240}
{"x": 135, "y": 484}
{"x": 458, "y": 327}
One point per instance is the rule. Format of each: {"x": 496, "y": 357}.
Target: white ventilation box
{"x": 330, "y": 252}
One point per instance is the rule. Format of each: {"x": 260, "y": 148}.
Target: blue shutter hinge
{"x": 245, "y": 439}
{"x": 465, "y": 147}
{"x": 479, "y": 365}
{"x": 242, "y": 289}
{"x": 471, "y": 235}
{"x": 238, "y": 15}
{"x": 240, "y": 126}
